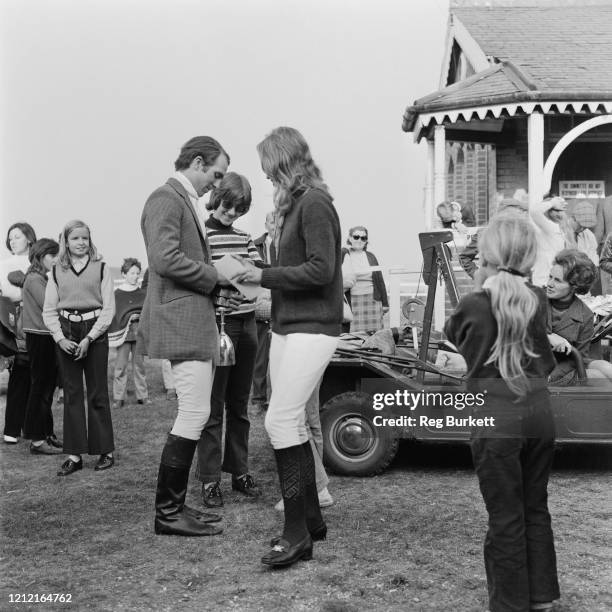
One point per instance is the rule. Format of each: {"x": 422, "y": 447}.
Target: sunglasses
{"x": 240, "y": 209}
{"x": 359, "y": 237}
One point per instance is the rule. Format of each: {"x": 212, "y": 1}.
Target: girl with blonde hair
{"x": 78, "y": 309}
{"x": 306, "y": 286}
{"x": 501, "y": 332}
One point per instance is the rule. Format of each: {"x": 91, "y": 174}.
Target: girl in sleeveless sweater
{"x": 79, "y": 306}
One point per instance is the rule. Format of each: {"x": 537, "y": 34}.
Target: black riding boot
{"x": 295, "y": 543}
{"x": 314, "y": 520}
{"x": 172, "y": 517}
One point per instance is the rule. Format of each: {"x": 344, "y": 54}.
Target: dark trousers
{"x": 17, "y": 395}
{"x": 94, "y": 434}
{"x": 231, "y": 387}
{"x": 259, "y": 392}
{"x": 43, "y": 374}
{"x": 513, "y": 473}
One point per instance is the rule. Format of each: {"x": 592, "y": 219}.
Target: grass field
{"x": 409, "y": 539}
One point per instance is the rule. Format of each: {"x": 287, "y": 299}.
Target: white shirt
{"x": 587, "y": 243}
{"x": 551, "y": 240}
{"x": 189, "y": 188}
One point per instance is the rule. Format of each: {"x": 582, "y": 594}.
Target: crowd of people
{"x": 71, "y": 313}
{"x": 508, "y": 330}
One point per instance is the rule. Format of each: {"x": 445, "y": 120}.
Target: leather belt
{"x": 77, "y": 317}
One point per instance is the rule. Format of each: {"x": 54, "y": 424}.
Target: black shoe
{"x": 144, "y": 402}
{"x": 283, "y": 553}
{"x": 246, "y": 485}
{"x": 183, "y": 524}
{"x": 53, "y": 441}
{"x": 69, "y": 466}
{"x": 320, "y": 533}
{"x": 104, "y": 463}
{"x": 211, "y": 496}
{"x": 204, "y": 517}
{"x": 44, "y": 449}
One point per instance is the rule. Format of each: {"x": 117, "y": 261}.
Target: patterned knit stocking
{"x": 314, "y": 520}
{"x": 289, "y": 462}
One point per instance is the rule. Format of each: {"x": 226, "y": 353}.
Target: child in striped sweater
{"x": 232, "y": 384}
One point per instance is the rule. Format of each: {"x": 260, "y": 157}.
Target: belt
{"x": 77, "y": 316}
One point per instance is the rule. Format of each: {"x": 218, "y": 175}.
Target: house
{"x": 524, "y": 101}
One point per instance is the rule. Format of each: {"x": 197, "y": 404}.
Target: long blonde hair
{"x": 287, "y": 161}
{"x": 509, "y": 243}
{"x": 64, "y": 253}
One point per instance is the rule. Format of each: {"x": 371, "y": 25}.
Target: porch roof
{"x": 558, "y": 58}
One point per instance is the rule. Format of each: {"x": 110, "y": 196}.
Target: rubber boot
{"x": 172, "y": 517}
{"x": 295, "y": 543}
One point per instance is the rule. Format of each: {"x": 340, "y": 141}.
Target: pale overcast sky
{"x": 99, "y": 95}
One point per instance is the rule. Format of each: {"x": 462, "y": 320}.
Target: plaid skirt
{"x": 367, "y": 313}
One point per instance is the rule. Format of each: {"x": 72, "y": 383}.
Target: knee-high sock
{"x": 290, "y": 463}
{"x": 311, "y": 497}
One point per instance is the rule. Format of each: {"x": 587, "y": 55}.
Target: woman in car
{"x": 570, "y": 320}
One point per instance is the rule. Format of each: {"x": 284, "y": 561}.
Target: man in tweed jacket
{"x": 178, "y": 321}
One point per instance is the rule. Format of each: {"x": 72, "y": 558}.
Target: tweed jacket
{"x": 178, "y": 317}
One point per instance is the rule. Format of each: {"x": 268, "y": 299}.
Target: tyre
{"x": 352, "y": 445}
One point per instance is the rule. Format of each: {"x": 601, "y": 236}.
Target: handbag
{"x": 347, "y": 313}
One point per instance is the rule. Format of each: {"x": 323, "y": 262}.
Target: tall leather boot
{"x": 314, "y": 520}
{"x": 172, "y": 517}
{"x": 295, "y": 543}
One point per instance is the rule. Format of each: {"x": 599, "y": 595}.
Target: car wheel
{"x": 352, "y": 444}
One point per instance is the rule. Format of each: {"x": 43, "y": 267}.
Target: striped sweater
{"x": 228, "y": 240}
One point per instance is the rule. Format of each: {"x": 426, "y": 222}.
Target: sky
{"x": 97, "y": 97}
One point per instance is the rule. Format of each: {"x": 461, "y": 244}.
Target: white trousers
{"x": 297, "y": 362}
{"x": 193, "y": 383}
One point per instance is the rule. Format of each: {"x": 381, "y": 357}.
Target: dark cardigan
{"x": 306, "y": 283}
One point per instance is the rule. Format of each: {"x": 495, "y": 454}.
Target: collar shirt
{"x": 189, "y": 188}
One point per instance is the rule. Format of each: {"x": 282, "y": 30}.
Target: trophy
{"x": 227, "y": 354}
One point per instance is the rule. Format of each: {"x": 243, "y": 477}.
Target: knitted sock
{"x": 314, "y": 519}
{"x": 289, "y": 463}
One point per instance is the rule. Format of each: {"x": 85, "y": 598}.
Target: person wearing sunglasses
{"x": 231, "y": 384}
{"x": 365, "y": 289}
